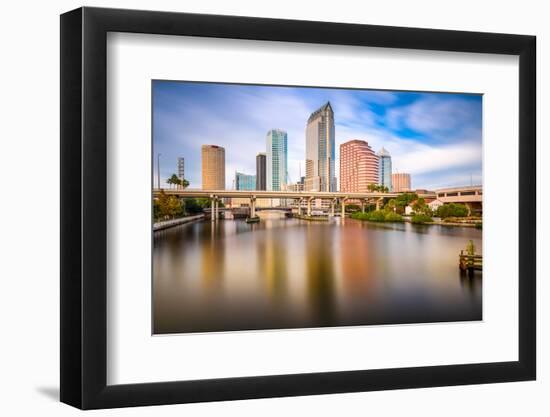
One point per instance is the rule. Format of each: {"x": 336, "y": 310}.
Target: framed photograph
{"x": 257, "y": 208}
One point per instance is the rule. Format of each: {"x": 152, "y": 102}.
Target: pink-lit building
{"x": 401, "y": 182}
{"x": 358, "y": 166}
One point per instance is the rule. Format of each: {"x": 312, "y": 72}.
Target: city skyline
{"x": 436, "y": 137}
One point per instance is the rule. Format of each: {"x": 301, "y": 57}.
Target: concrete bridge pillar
{"x": 343, "y": 204}
{"x": 253, "y": 207}
{"x": 309, "y": 206}
{"x": 378, "y": 203}
{"x": 216, "y": 205}
{"x": 300, "y": 206}
{"x": 362, "y": 206}
{"x": 332, "y": 207}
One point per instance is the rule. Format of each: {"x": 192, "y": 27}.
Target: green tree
{"x": 167, "y": 207}
{"x": 390, "y": 216}
{"x": 376, "y": 188}
{"x": 183, "y": 183}
{"x": 421, "y": 219}
{"x": 192, "y": 206}
{"x": 420, "y": 207}
{"x": 391, "y": 205}
{"x": 173, "y": 180}
{"x": 399, "y": 203}
{"x": 452, "y": 210}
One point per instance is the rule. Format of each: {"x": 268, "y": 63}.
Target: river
{"x": 289, "y": 273}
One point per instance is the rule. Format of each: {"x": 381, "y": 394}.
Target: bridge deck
{"x": 276, "y": 194}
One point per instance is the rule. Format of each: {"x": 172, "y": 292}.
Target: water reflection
{"x": 288, "y": 273}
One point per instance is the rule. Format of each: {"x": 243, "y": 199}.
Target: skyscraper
{"x": 181, "y": 168}
{"x": 358, "y": 166}
{"x": 213, "y": 167}
{"x": 244, "y": 181}
{"x": 384, "y": 168}
{"x": 276, "y": 159}
{"x": 320, "y": 150}
{"x": 260, "y": 171}
{"x": 401, "y": 182}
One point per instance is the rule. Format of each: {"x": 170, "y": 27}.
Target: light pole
{"x": 158, "y": 171}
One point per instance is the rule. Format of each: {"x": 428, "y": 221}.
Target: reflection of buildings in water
{"x": 274, "y": 266}
{"x": 355, "y": 260}
{"x": 213, "y": 255}
{"x": 320, "y": 276}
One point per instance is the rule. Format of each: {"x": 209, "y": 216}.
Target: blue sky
{"x": 436, "y": 137}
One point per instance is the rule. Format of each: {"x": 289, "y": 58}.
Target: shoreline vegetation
{"x": 168, "y": 207}
{"x": 394, "y": 210}
{"x": 311, "y": 218}
{"x": 380, "y": 216}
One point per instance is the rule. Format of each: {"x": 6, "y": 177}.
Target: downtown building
{"x": 260, "y": 171}
{"x": 213, "y": 167}
{"x": 401, "y": 182}
{"x": 276, "y": 159}
{"x": 320, "y": 150}
{"x": 359, "y": 166}
{"x": 181, "y": 168}
{"x": 384, "y": 168}
{"x": 245, "y": 182}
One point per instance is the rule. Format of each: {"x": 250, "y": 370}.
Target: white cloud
{"x": 435, "y": 115}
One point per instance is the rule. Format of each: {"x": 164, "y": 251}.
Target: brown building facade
{"x": 401, "y": 182}
{"x": 213, "y": 167}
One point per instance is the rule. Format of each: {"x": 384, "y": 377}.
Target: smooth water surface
{"x": 289, "y": 273}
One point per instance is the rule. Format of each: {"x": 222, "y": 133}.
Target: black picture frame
{"x": 84, "y": 207}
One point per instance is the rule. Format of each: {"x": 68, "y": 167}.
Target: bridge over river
{"x": 299, "y": 196}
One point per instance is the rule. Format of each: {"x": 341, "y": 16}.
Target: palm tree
{"x": 173, "y": 180}
{"x": 183, "y": 183}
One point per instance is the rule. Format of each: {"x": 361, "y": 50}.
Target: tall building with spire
{"x": 358, "y": 166}
{"x": 384, "y": 168}
{"x": 276, "y": 159}
{"x": 213, "y": 167}
{"x": 320, "y": 150}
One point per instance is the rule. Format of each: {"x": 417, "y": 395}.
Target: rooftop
{"x": 383, "y": 152}
{"x": 325, "y": 107}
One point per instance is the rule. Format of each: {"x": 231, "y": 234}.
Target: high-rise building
{"x": 320, "y": 150}
{"x": 384, "y": 168}
{"x": 260, "y": 171}
{"x": 358, "y": 166}
{"x": 181, "y": 168}
{"x": 401, "y": 182}
{"x": 213, "y": 167}
{"x": 244, "y": 181}
{"x": 276, "y": 159}
{"x": 299, "y": 186}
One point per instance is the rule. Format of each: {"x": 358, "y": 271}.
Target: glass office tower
{"x": 384, "y": 168}
{"x": 276, "y": 159}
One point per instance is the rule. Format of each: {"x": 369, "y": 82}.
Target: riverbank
{"x": 407, "y": 219}
{"x": 176, "y": 222}
{"x": 440, "y": 222}
{"x": 311, "y": 218}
